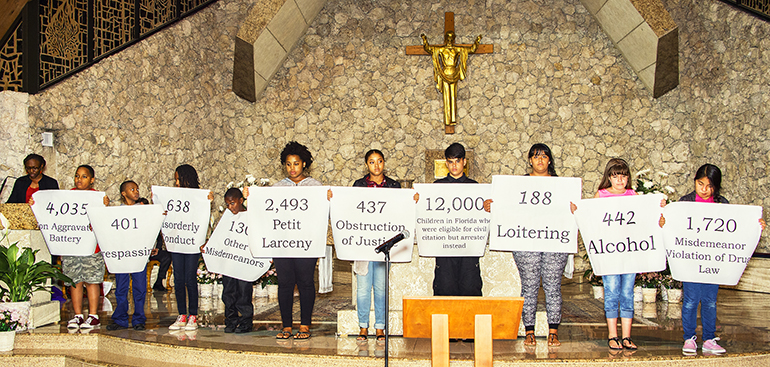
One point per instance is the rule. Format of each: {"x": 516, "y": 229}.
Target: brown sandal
{"x": 284, "y": 334}
{"x": 380, "y": 335}
{"x": 553, "y": 340}
{"x": 529, "y": 339}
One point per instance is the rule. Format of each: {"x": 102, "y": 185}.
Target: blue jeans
{"x": 619, "y": 292}
{"x": 706, "y": 295}
{"x": 139, "y": 292}
{"x": 186, "y": 282}
{"x": 375, "y": 278}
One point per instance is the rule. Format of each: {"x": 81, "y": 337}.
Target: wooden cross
{"x": 449, "y": 102}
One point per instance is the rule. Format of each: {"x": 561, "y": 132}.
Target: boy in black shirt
{"x": 456, "y": 276}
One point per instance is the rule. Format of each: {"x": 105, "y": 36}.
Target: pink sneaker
{"x": 712, "y": 346}
{"x": 690, "y": 346}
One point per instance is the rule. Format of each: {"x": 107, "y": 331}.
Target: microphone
{"x": 386, "y": 246}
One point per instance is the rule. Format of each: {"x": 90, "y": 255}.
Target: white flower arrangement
{"x": 646, "y": 185}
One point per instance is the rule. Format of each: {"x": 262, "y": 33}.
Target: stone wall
{"x": 348, "y": 87}
{"x": 15, "y": 137}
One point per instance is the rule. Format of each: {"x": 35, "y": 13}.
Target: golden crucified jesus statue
{"x": 450, "y": 63}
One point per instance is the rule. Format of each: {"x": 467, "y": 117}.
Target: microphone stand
{"x": 386, "y": 250}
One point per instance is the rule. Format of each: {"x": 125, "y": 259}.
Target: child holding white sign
{"x": 618, "y": 288}
{"x": 370, "y": 275}
{"x": 708, "y": 184}
{"x": 186, "y": 265}
{"x": 296, "y": 159}
{"x": 84, "y": 270}
{"x": 537, "y": 267}
{"x": 456, "y": 276}
{"x": 236, "y": 293}
{"x": 129, "y": 195}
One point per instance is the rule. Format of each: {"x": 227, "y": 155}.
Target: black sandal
{"x": 303, "y": 333}
{"x": 632, "y": 346}
{"x": 617, "y": 342}
{"x": 362, "y": 336}
{"x": 284, "y": 334}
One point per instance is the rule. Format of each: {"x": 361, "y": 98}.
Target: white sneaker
{"x": 91, "y": 322}
{"x": 180, "y": 323}
{"x": 192, "y": 323}
{"x": 75, "y": 322}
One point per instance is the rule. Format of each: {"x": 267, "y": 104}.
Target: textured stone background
{"x": 348, "y": 87}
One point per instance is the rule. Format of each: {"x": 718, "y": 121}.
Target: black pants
{"x": 186, "y": 282}
{"x": 164, "y": 258}
{"x": 457, "y": 276}
{"x": 299, "y": 272}
{"x": 236, "y": 295}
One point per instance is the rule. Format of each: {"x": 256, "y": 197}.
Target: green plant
{"x": 22, "y": 275}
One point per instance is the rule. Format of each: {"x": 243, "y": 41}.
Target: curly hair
{"x": 294, "y": 148}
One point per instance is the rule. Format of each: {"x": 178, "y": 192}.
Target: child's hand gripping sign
{"x": 227, "y": 251}
{"x": 187, "y": 217}
{"x": 362, "y": 220}
{"x": 533, "y": 214}
{"x": 622, "y": 234}
{"x": 126, "y": 235}
{"x": 708, "y": 243}
{"x": 62, "y": 218}
{"x": 451, "y": 220}
{"x": 288, "y": 222}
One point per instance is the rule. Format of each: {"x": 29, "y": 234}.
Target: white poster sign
{"x": 227, "y": 251}
{"x": 288, "y": 221}
{"x": 62, "y": 218}
{"x": 187, "y": 217}
{"x": 451, "y": 220}
{"x": 622, "y": 234}
{"x": 533, "y": 213}
{"x": 710, "y": 243}
{"x": 363, "y": 218}
{"x": 126, "y": 235}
